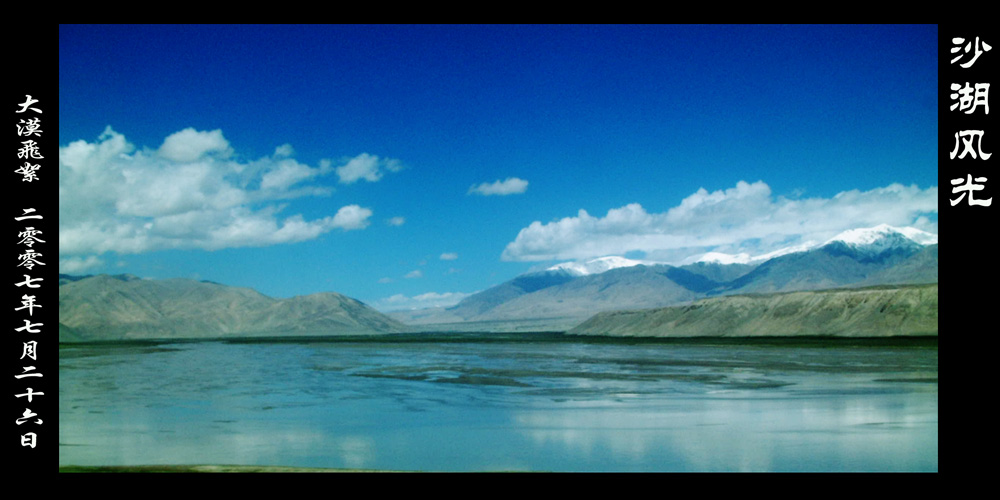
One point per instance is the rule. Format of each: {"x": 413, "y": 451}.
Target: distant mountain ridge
{"x": 103, "y": 308}
{"x": 872, "y": 240}
{"x": 900, "y": 311}
{"x": 597, "y": 266}
{"x": 566, "y": 294}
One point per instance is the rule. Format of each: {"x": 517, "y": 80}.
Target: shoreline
{"x": 201, "y": 469}
{"x": 541, "y": 337}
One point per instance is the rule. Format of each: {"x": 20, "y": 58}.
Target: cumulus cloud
{"x": 396, "y": 221}
{"x": 190, "y": 145}
{"x": 449, "y": 256}
{"x": 188, "y": 194}
{"x": 431, "y": 299}
{"x": 416, "y": 273}
{"x": 746, "y": 217}
{"x": 284, "y": 173}
{"x": 351, "y": 217}
{"x": 368, "y": 167}
{"x": 511, "y": 185}
{"x": 76, "y": 265}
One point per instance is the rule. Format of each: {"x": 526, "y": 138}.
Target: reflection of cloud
{"x": 587, "y": 432}
{"x": 357, "y": 452}
{"x": 259, "y": 445}
{"x": 748, "y": 434}
{"x": 238, "y": 445}
{"x": 139, "y": 436}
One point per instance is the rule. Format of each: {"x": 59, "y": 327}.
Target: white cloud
{"x": 449, "y": 256}
{"x": 431, "y": 299}
{"x": 287, "y": 172}
{"x": 511, "y": 185}
{"x": 396, "y": 221}
{"x": 416, "y": 273}
{"x": 188, "y": 194}
{"x": 368, "y": 167}
{"x": 76, "y": 265}
{"x": 351, "y": 217}
{"x": 190, "y": 145}
{"x": 743, "y": 218}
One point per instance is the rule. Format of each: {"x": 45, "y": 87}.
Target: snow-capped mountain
{"x": 745, "y": 258}
{"x": 566, "y": 292}
{"x": 723, "y": 258}
{"x": 883, "y": 237}
{"x": 880, "y": 241}
{"x": 597, "y": 266}
{"x": 870, "y": 241}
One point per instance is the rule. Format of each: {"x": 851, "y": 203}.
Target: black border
{"x": 966, "y": 263}
{"x": 37, "y": 75}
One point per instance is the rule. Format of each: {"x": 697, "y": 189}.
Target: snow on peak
{"x": 804, "y": 247}
{"x": 745, "y": 258}
{"x": 596, "y": 266}
{"x": 883, "y": 235}
{"x": 873, "y": 239}
{"x": 921, "y": 237}
{"x": 725, "y": 258}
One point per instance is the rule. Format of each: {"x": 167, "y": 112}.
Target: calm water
{"x": 517, "y": 404}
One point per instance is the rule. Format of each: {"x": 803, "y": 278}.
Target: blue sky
{"x": 412, "y": 165}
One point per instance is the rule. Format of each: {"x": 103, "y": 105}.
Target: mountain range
{"x": 890, "y": 311}
{"x": 104, "y": 308}
{"x": 564, "y": 295}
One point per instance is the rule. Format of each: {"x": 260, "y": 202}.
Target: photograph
{"x": 572, "y": 248}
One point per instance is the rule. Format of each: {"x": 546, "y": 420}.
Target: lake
{"x": 511, "y": 402}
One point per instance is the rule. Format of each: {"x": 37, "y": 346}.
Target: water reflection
{"x": 747, "y": 434}
{"x": 501, "y": 406}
